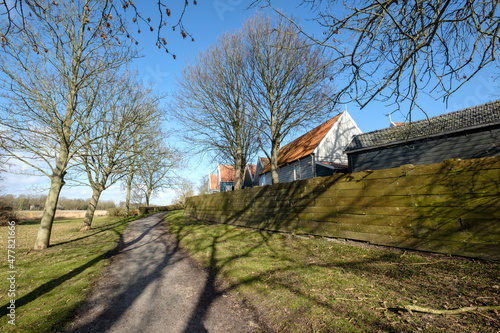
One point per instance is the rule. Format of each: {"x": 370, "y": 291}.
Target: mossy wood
{"x": 157, "y": 209}
{"x": 451, "y": 207}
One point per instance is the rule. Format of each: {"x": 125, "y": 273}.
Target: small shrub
{"x": 7, "y": 214}
{"x": 113, "y": 212}
{"x": 176, "y": 207}
{"x": 156, "y": 209}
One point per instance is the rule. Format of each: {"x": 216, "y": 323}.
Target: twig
{"x": 414, "y": 263}
{"x": 416, "y": 308}
{"x": 483, "y": 315}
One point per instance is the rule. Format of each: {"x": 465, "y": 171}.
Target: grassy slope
{"x": 53, "y": 282}
{"x": 314, "y": 285}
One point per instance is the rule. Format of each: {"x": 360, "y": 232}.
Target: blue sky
{"x": 206, "y": 22}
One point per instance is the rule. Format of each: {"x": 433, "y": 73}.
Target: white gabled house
{"x": 318, "y": 153}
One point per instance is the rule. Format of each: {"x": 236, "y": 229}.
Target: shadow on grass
{"x": 98, "y": 230}
{"x": 386, "y": 276}
{"x": 450, "y": 207}
{"x": 49, "y": 286}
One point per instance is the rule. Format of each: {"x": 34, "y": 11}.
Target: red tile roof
{"x": 264, "y": 161}
{"x": 227, "y": 173}
{"x": 303, "y": 145}
{"x": 252, "y": 169}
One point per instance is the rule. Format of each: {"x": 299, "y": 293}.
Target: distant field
{"x": 69, "y": 214}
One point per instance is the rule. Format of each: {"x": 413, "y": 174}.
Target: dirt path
{"x": 154, "y": 286}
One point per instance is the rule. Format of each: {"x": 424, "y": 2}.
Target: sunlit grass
{"x": 316, "y": 285}
{"x": 50, "y": 284}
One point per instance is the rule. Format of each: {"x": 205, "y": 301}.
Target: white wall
{"x": 331, "y": 148}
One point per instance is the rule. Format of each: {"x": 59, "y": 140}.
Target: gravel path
{"x": 154, "y": 286}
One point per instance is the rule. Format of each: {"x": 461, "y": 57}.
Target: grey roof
{"x": 478, "y": 116}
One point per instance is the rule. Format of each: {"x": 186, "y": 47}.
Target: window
{"x": 296, "y": 171}
{"x": 264, "y": 179}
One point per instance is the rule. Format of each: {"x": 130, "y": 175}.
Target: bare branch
{"x": 392, "y": 51}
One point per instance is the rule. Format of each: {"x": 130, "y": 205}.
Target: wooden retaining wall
{"x": 157, "y": 209}
{"x": 451, "y": 207}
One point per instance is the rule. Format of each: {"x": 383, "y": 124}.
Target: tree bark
{"x": 129, "y": 190}
{"x": 43, "y": 237}
{"x": 89, "y": 215}
{"x": 238, "y": 172}
{"x": 148, "y": 196}
{"x": 274, "y": 163}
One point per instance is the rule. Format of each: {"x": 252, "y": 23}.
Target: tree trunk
{"x": 148, "y": 196}
{"x": 237, "y": 176}
{"x": 129, "y": 190}
{"x": 243, "y": 166}
{"x": 238, "y": 172}
{"x": 89, "y": 216}
{"x": 43, "y": 238}
{"x": 274, "y": 162}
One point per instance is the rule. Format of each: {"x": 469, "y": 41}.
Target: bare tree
{"x": 3, "y": 164}
{"x": 210, "y": 104}
{"x": 16, "y": 15}
{"x": 289, "y": 82}
{"x": 157, "y": 169}
{"x": 184, "y": 190}
{"x": 145, "y": 145}
{"x": 394, "y": 50}
{"x": 51, "y": 75}
{"x": 140, "y": 141}
{"x": 107, "y": 147}
{"x": 203, "y": 185}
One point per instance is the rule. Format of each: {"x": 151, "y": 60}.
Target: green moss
{"x": 455, "y": 201}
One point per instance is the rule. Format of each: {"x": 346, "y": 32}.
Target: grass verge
{"x": 52, "y": 283}
{"x": 298, "y": 284}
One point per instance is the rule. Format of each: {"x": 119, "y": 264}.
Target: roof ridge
{"x": 480, "y": 115}
{"x": 304, "y": 144}
{"x": 309, "y": 132}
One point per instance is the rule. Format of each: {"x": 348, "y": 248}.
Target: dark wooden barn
{"x": 465, "y": 134}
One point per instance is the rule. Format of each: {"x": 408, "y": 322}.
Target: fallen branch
{"x": 416, "y": 308}
{"x": 411, "y": 263}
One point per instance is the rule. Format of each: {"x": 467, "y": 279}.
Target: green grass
{"x": 298, "y": 284}
{"x": 50, "y": 284}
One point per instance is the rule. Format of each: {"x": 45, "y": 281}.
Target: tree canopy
{"x": 51, "y": 75}
{"x": 210, "y": 104}
{"x": 254, "y": 86}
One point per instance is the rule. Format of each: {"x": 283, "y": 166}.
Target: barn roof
{"x": 303, "y": 145}
{"x": 227, "y": 173}
{"x": 474, "y": 117}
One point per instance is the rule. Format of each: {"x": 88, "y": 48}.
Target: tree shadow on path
{"x": 153, "y": 285}
{"x": 147, "y": 268}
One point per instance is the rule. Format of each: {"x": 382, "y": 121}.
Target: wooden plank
{"x": 406, "y": 206}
